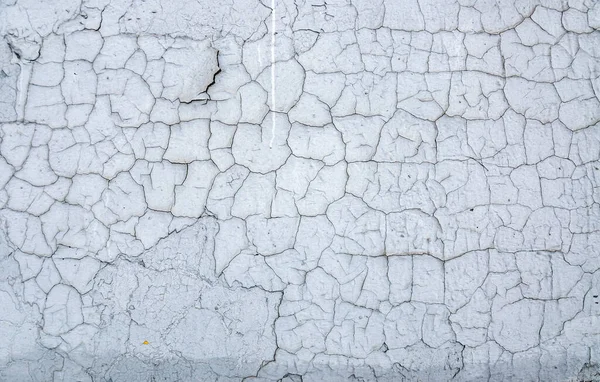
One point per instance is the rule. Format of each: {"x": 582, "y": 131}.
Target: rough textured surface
{"x": 300, "y": 190}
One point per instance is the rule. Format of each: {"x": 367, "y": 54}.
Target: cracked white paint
{"x": 300, "y": 191}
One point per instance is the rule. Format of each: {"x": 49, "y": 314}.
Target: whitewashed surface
{"x": 363, "y": 190}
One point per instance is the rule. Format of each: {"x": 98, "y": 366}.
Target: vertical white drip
{"x": 26, "y": 69}
{"x": 272, "y": 73}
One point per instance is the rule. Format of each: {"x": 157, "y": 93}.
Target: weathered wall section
{"x": 299, "y": 191}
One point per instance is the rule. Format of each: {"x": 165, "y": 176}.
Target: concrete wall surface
{"x": 299, "y": 190}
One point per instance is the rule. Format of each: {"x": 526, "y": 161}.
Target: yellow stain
{"x": 146, "y": 343}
